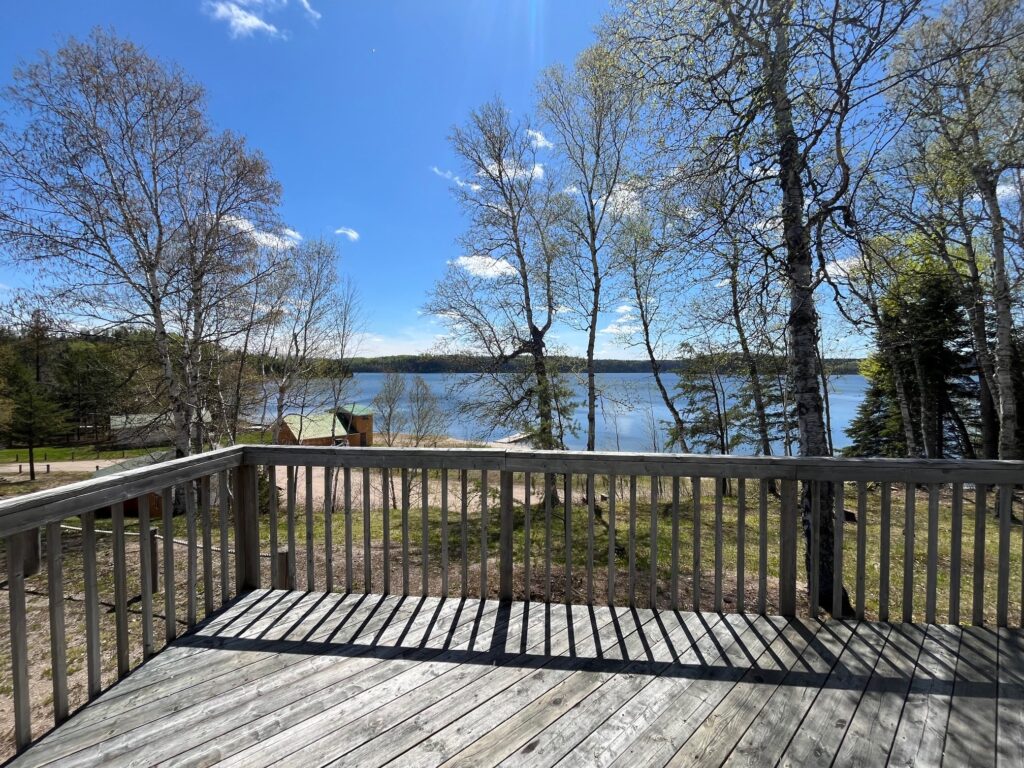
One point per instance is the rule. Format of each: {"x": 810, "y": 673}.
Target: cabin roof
{"x": 314, "y": 425}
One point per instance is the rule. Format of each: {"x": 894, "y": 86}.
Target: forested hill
{"x": 467, "y": 364}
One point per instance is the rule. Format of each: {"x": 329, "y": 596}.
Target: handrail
{"x": 988, "y": 472}
{"x": 33, "y": 510}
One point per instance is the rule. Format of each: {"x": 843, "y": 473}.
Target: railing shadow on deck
{"x": 497, "y": 643}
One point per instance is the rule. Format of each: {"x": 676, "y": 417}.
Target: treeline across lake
{"x": 473, "y": 364}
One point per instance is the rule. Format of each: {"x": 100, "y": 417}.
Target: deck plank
{"x": 714, "y": 740}
{"x": 1010, "y": 712}
{"x": 822, "y": 731}
{"x": 768, "y": 736}
{"x": 921, "y": 732}
{"x": 281, "y": 678}
{"x": 971, "y": 730}
{"x": 869, "y": 737}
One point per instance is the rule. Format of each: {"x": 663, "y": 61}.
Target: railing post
{"x": 505, "y": 564}
{"x": 787, "y": 549}
{"x": 31, "y": 552}
{"x": 247, "y": 546}
{"x": 16, "y": 547}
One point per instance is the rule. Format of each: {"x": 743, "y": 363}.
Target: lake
{"x": 625, "y": 415}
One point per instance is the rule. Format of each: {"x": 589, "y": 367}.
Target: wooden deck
{"x": 308, "y": 679}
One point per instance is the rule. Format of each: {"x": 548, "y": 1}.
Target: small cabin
{"x": 358, "y": 422}
{"x": 312, "y": 429}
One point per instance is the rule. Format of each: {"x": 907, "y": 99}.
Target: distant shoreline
{"x": 466, "y": 364}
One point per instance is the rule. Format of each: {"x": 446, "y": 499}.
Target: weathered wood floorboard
{"x": 282, "y": 678}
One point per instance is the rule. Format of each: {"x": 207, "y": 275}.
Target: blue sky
{"x": 351, "y": 102}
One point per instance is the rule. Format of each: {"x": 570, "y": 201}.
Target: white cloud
{"x": 624, "y": 309}
{"x": 571, "y": 190}
{"x": 285, "y": 239}
{"x": 241, "y": 23}
{"x": 539, "y": 140}
{"x": 348, "y": 232}
{"x": 624, "y": 324}
{"x": 484, "y": 266}
{"x": 624, "y": 202}
{"x": 514, "y": 171}
{"x": 448, "y": 175}
{"x": 248, "y": 17}
{"x": 314, "y": 14}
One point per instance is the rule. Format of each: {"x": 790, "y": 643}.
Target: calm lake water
{"x": 624, "y": 418}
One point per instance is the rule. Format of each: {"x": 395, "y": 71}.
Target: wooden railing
{"x": 940, "y": 539}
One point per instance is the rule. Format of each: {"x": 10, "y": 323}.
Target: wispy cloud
{"x": 348, "y": 232}
{"x": 449, "y": 176}
{"x": 484, "y": 266}
{"x": 246, "y": 18}
{"x": 241, "y": 23}
{"x": 539, "y": 140}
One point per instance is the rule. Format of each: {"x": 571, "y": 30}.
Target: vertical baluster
{"x": 222, "y": 503}
{"x": 425, "y": 532}
{"x": 549, "y": 487}
{"x": 16, "y": 545}
{"x": 92, "y": 603}
{"x": 346, "y": 480}
{"x": 741, "y": 543}
{"x": 483, "y": 534}
{"x": 591, "y": 489}
{"x": 167, "y": 514}
{"x": 329, "y": 527}
{"x": 58, "y": 645}
{"x": 838, "y": 526}
{"x": 814, "y": 577}
{"x": 980, "y": 514}
{"x": 275, "y": 568}
{"x": 527, "y": 536}
{"x": 762, "y": 545}
{"x": 1004, "y": 498}
{"x": 192, "y": 553}
{"x": 444, "y": 534}
{"x": 719, "y": 548}
{"x": 405, "y": 531}
{"x": 695, "y": 485}
{"x": 862, "y": 544}
{"x": 310, "y": 550}
{"x": 204, "y": 509}
{"x": 631, "y": 541}
{"x": 956, "y": 553}
{"x": 653, "y": 578}
{"x": 612, "y": 554}
{"x": 367, "y": 555}
{"x": 674, "y": 576}
{"x": 292, "y": 480}
{"x": 464, "y": 530}
{"x": 146, "y": 572}
{"x": 787, "y": 547}
{"x": 885, "y": 545}
{"x": 120, "y": 589}
{"x": 932, "y": 572}
{"x": 567, "y": 525}
{"x": 909, "y": 525}
{"x": 385, "y": 484}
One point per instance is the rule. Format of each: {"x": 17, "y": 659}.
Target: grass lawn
{"x": 73, "y": 453}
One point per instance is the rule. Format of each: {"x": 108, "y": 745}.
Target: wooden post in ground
{"x": 247, "y": 542}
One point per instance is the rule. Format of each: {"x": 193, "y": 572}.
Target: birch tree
{"x": 498, "y": 299}
{"x": 137, "y": 212}
{"x": 594, "y": 115}
{"x": 773, "y": 89}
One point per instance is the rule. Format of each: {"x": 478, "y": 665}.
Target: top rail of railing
{"x": 33, "y": 510}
